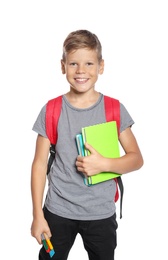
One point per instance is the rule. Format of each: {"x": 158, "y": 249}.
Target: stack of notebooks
{"x": 104, "y": 139}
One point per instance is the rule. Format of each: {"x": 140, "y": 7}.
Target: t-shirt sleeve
{"x": 39, "y": 125}
{"x": 125, "y": 118}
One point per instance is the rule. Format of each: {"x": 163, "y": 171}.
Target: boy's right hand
{"x": 39, "y": 226}
{"x": 91, "y": 164}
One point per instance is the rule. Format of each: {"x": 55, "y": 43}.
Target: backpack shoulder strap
{"x": 112, "y": 111}
{"x": 53, "y": 110}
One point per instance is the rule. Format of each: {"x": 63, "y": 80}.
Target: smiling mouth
{"x": 81, "y": 80}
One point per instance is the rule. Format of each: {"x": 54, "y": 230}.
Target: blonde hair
{"x": 82, "y": 39}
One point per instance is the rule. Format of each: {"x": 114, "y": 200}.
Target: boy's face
{"x": 82, "y": 69}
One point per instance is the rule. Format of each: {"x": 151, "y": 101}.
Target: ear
{"x": 101, "y": 67}
{"x": 63, "y": 67}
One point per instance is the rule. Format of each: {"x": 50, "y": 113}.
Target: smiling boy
{"x": 70, "y": 206}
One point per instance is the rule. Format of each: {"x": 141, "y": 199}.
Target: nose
{"x": 80, "y": 69}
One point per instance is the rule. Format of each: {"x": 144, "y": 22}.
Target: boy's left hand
{"x": 91, "y": 164}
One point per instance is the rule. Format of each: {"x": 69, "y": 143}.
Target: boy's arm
{"x": 132, "y": 160}
{"x": 38, "y": 181}
{"x": 95, "y": 163}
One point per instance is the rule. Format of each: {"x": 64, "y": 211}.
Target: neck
{"x": 82, "y": 100}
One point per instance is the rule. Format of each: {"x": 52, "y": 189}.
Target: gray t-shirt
{"x": 67, "y": 195}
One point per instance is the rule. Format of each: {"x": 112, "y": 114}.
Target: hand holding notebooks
{"x": 104, "y": 139}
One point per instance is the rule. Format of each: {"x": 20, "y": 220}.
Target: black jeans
{"x": 99, "y": 237}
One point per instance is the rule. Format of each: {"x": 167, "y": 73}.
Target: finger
{"x": 80, "y": 169}
{"x": 47, "y": 234}
{"x": 90, "y": 148}
{"x": 39, "y": 240}
{"x": 79, "y": 158}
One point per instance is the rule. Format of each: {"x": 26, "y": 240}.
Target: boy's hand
{"x": 39, "y": 226}
{"x": 91, "y": 164}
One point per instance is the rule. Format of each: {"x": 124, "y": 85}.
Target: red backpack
{"x": 53, "y": 110}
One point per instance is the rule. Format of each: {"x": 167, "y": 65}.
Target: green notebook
{"x": 104, "y": 138}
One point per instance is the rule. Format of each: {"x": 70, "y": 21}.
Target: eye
{"x": 72, "y": 64}
{"x": 89, "y": 63}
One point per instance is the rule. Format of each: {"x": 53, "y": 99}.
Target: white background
{"x": 134, "y": 36}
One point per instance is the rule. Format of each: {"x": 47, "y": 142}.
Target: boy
{"x": 70, "y": 206}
